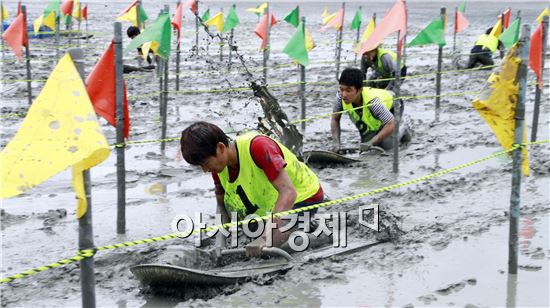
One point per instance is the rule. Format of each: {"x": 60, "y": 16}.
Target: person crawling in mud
{"x": 133, "y": 32}
{"x": 253, "y": 174}
{"x": 375, "y": 120}
{"x": 482, "y": 52}
{"x": 383, "y": 64}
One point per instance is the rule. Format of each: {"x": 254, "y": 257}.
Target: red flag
{"x": 395, "y": 20}
{"x": 192, "y": 4}
{"x": 535, "y": 53}
{"x": 67, "y": 7}
{"x": 102, "y": 89}
{"x": 176, "y": 20}
{"x": 85, "y": 12}
{"x": 261, "y": 30}
{"x": 273, "y": 20}
{"x": 16, "y": 35}
{"x": 506, "y": 20}
{"x": 460, "y": 22}
{"x": 335, "y": 22}
{"x": 18, "y": 7}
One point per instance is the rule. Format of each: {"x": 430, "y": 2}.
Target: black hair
{"x": 133, "y": 31}
{"x": 352, "y": 77}
{"x": 200, "y": 140}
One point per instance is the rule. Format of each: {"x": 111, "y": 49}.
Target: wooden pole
{"x": 454, "y": 30}
{"x": 197, "y": 28}
{"x": 165, "y": 92}
{"x": 439, "y": 64}
{"x": 57, "y": 35}
{"x": 207, "y": 38}
{"x": 267, "y": 44}
{"x": 86, "y": 24}
{"x": 231, "y": 43}
{"x": 120, "y": 120}
{"x": 516, "y": 155}
{"x": 397, "y": 109}
{"x": 27, "y": 59}
{"x": 178, "y": 59}
{"x": 357, "y": 38}
{"x": 538, "y": 90}
{"x": 138, "y": 19}
{"x": 221, "y": 44}
{"x": 303, "y": 86}
{"x": 339, "y": 42}
{"x": 2, "y": 25}
{"x": 85, "y": 227}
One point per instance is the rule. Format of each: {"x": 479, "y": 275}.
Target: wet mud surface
{"x": 454, "y": 245}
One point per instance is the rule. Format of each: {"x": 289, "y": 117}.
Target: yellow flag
{"x": 258, "y": 10}
{"x": 216, "y": 20}
{"x": 497, "y": 29}
{"x": 368, "y": 31}
{"x": 149, "y": 46}
{"x": 497, "y": 103}
{"x": 38, "y": 23}
{"x": 60, "y": 130}
{"x": 130, "y": 16}
{"x": 325, "y": 12}
{"x": 310, "y": 44}
{"x": 546, "y": 12}
{"x": 77, "y": 13}
{"x": 328, "y": 18}
{"x": 5, "y": 14}
{"x": 49, "y": 21}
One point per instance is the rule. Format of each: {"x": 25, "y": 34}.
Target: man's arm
{"x": 384, "y": 133}
{"x": 380, "y": 112}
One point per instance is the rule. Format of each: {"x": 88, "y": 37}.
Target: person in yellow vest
{"x": 370, "y": 109}
{"x": 383, "y": 64}
{"x": 482, "y": 52}
{"x": 253, "y": 174}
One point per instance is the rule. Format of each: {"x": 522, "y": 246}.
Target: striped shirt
{"x": 376, "y": 108}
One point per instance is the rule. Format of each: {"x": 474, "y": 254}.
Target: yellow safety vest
{"x": 379, "y": 54}
{"x": 488, "y": 41}
{"x": 367, "y": 122}
{"x": 252, "y": 192}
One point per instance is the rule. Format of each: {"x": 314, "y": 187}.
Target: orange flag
{"x": 395, "y": 20}
{"x": 16, "y": 35}
{"x": 506, "y": 20}
{"x": 535, "y": 53}
{"x": 101, "y": 89}
{"x": 460, "y": 22}
{"x": 67, "y": 7}
{"x": 85, "y": 12}
{"x": 337, "y": 21}
{"x": 261, "y": 28}
{"x": 192, "y": 4}
{"x": 176, "y": 20}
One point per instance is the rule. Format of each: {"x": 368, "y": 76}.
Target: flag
{"x": 356, "y": 22}
{"x": 231, "y": 21}
{"x": 48, "y": 17}
{"x": 60, "y": 130}
{"x": 176, "y": 20}
{"x": 101, "y": 88}
{"x": 296, "y": 46}
{"x": 546, "y": 12}
{"x": 159, "y": 32}
{"x": 395, "y": 20}
{"x": 535, "y": 53}
{"x": 216, "y": 20}
{"x": 261, "y": 28}
{"x": 5, "y": 14}
{"x": 130, "y": 14}
{"x": 85, "y": 12}
{"x": 325, "y": 12}
{"x": 192, "y": 4}
{"x": 67, "y": 7}
{"x": 462, "y": 7}
{"x": 293, "y": 17}
{"x": 77, "y": 13}
{"x": 16, "y": 35}
{"x": 497, "y": 103}
{"x": 259, "y": 10}
{"x": 506, "y": 20}
{"x": 460, "y": 22}
{"x": 368, "y": 30}
{"x": 336, "y": 21}
{"x": 432, "y": 34}
{"x": 328, "y": 18}
{"x": 18, "y": 7}
{"x": 511, "y": 35}
{"x": 206, "y": 15}
{"x": 310, "y": 44}
{"x": 497, "y": 29}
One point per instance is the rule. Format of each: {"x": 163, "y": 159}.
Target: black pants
{"x": 479, "y": 55}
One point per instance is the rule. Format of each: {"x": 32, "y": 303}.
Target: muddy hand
{"x": 254, "y": 248}
{"x": 365, "y": 146}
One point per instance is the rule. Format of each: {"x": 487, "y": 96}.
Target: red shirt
{"x": 268, "y": 156}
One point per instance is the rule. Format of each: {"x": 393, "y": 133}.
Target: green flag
{"x": 159, "y": 33}
{"x": 142, "y": 15}
{"x": 296, "y": 46}
{"x": 356, "y": 22}
{"x": 511, "y": 35}
{"x": 206, "y": 15}
{"x": 53, "y": 6}
{"x": 231, "y": 21}
{"x": 432, "y": 34}
{"x": 462, "y": 7}
{"x": 293, "y": 17}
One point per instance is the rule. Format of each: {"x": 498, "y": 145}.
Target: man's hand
{"x": 254, "y": 248}
{"x": 365, "y": 146}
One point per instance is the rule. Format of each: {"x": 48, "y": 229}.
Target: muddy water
{"x": 454, "y": 251}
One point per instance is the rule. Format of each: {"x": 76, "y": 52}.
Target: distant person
{"x": 375, "y": 120}
{"x": 482, "y": 52}
{"x": 253, "y": 174}
{"x": 132, "y": 33}
{"x": 383, "y": 63}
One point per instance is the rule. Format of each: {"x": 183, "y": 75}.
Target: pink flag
{"x": 192, "y": 4}
{"x": 261, "y": 29}
{"x": 176, "y": 20}
{"x": 460, "y": 22}
{"x": 395, "y": 20}
{"x": 336, "y": 22}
